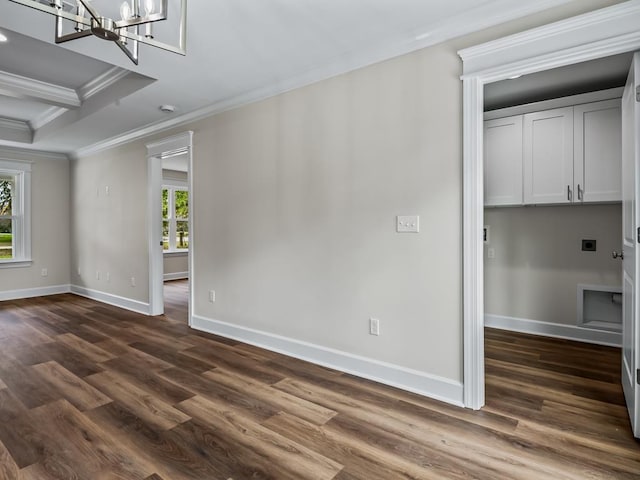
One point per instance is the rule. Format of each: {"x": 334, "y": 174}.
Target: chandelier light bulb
{"x": 149, "y": 7}
{"x": 125, "y": 11}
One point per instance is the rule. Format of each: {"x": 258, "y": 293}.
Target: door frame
{"x": 174, "y": 143}
{"x": 593, "y": 35}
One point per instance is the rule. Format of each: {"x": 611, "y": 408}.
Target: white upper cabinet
{"x": 503, "y": 161}
{"x": 548, "y": 156}
{"x": 562, "y": 155}
{"x": 597, "y": 151}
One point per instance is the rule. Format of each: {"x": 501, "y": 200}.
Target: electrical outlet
{"x": 44, "y": 272}
{"x": 108, "y": 277}
{"x": 98, "y": 276}
{"x": 133, "y": 281}
{"x": 212, "y": 296}
{"x": 491, "y": 253}
{"x": 374, "y": 326}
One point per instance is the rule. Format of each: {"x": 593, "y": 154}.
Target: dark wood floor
{"x": 88, "y": 391}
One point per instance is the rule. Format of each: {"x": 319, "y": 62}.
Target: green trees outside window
{"x": 6, "y": 219}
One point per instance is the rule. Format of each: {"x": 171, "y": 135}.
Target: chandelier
{"x": 135, "y": 15}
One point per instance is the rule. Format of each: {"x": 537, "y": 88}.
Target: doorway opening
{"x": 552, "y": 188}
{"x": 590, "y": 36}
{"x": 170, "y": 226}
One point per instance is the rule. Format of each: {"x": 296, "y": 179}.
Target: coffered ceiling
{"x": 85, "y": 93}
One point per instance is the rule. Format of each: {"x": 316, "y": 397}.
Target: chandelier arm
{"x": 92, "y": 11}
{"x": 133, "y": 56}
{"x": 54, "y": 11}
{"x": 154, "y": 43}
{"x": 132, "y": 22}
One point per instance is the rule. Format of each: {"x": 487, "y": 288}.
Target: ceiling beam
{"x": 26, "y": 88}
{"x": 15, "y": 131}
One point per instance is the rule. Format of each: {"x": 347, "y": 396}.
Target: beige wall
{"x": 49, "y": 225}
{"x": 176, "y": 263}
{"x": 109, "y": 231}
{"x": 294, "y": 205}
{"x": 539, "y": 261}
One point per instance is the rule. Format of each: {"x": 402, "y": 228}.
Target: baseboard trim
{"x": 34, "y": 292}
{"x": 546, "y": 329}
{"x": 115, "y": 300}
{"x": 175, "y": 276}
{"x": 393, "y": 375}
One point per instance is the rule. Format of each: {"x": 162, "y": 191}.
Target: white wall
{"x": 539, "y": 261}
{"x": 49, "y": 225}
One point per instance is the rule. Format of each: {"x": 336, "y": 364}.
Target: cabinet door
{"x": 597, "y": 151}
{"x": 548, "y": 156}
{"x": 503, "y": 161}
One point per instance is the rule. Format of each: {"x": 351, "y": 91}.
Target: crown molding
{"x": 101, "y": 82}
{"x": 27, "y": 155}
{"x": 540, "y": 40}
{"x": 23, "y": 87}
{"x": 48, "y": 116}
{"x": 460, "y": 25}
{"x": 15, "y": 131}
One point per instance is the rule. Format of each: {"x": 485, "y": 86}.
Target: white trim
{"x": 23, "y": 87}
{"x": 170, "y": 144}
{"x": 15, "y": 131}
{"x": 101, "y": 82}
{"x": 586, "y": 37}
{"x": 15, "y": 263}
{"x": 591, "y": 97}
{"x": 467, "y": 22}
{"x": 555, "y": 330}
{"x": 473, "y": 246}
{"x": 48, "y": 116}
{"x": 394, "y": 375}
{"x": 154, "y": 214}
{"x": 175, "y": 276}
{"x": 110, "y": 299}
{"x": 26, "y": 155}
{"x": 34, "y": 292}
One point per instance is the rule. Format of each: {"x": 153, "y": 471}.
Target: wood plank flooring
{"x": 89, "y": 391}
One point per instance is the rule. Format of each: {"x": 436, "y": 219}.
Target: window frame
{"x": 172, "y": 218}
{"x": 20, "y": 212}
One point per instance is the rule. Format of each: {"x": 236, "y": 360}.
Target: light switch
{"x": 407, "y": 224}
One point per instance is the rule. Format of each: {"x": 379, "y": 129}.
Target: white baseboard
{"x": 396, "y": 376}
{"x": 108, "y": 298}
{"x": 34, "y": 292}
{"x": 175, "y": 276}
{"x": 567, "y": 332}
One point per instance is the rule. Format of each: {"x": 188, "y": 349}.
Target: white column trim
{"x": 154, "y": 214}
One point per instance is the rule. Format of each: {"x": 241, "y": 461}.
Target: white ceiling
{"x": 237, "y": 51}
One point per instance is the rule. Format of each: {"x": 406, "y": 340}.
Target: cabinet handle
{"x": 579, "y": 193}
{"x": 568, "y": 193}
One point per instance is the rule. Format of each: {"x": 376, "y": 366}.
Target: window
{"x": 175, "y": 219}
{"x": 15, "y": 241}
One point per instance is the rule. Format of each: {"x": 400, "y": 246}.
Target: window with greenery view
{"x": 15, "y": 243}
{"x": 175, "y": 219}
{"x": 7, "y": 187}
